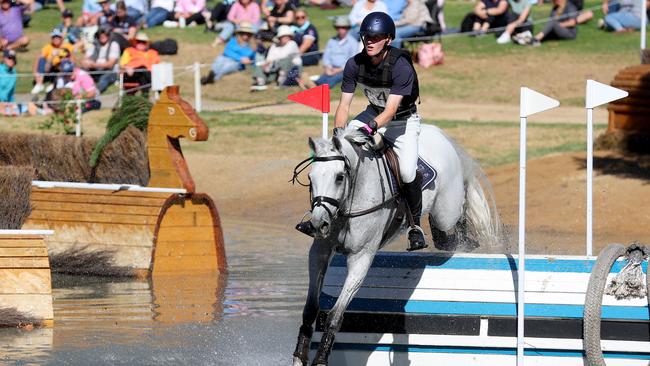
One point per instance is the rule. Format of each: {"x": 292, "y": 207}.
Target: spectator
{"x": 236, "y": 55}
{"x": 338, "y": 51}
{"x": 325, "y": 4}
{"x": 40, "y": 4}
{"x": 489, "y": 14}
{"x": 102, "y": 55}
{"x": 161, "y": 10}
{"x": 396, "y": 8}
{"x": 187, "y": 12}
{"x": 107, "y": 14}
{"x": 519, "y": 20}
{"x": 137, "y": 62}
{"x": 71, "y": 33}
{"x": 242, "y": 11}
{"x": 280, "y": 60}
{"x": 414, "y": 21}
{"x": 282, "y": 13}
{"x": 137, "y": 9}
{"x": 90, "y": 12}
{"x": 11, "y": 27}
{"x": 562, "y": 24}
{"x": 51, "y": 56}
{"x": 621, "y": 16}
{"x": 77, "y": 80}
{"x": 123, "y": 26}
{"x": 215, "y": 18}
{"x": 359, "y": 11}
{"x": 7, "y": 77}
{"x": 306, "y": 36}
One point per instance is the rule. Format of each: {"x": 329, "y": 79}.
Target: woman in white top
{"x": 359, "y": 11}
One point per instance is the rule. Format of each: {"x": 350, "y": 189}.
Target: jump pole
{"x": 530, "y": 102}
{"x": 644, "y": 20}
{"x": 317, "y": 98}
{"x": 597, "y": 94}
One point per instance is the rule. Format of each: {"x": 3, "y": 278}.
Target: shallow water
{"x": 248, "y": 317}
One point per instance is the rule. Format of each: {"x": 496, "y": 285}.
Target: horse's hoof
{"x": 298, "y": 362}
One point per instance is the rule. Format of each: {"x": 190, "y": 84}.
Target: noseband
{"x": 319, "y": 201}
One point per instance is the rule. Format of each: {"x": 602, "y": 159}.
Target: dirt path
{"x": 255, "y": 188}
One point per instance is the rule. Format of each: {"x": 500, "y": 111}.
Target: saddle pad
{"x": 429, "y": 175}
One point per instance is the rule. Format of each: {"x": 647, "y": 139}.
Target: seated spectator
{"x": 414, "y": 21}
{"x": 90, "y": 12}
{"x": 137, "y": 9}
{"x": 282, "y": 13}
{"x": 187, "y": 13}
{"x": 306, "y": 36}
{"x": 396, "y": 8}
{"x": 40, "y": 4}
{"x": 7, "y": 77}
{"x": 77, "y": 80}
{"x": 236, "y": 55}
{"x": 51, "y": 56}
{"x": 137, "y": 62}
{"x": 11, "y": 27}
{"x": 123, "y": 26}
{"x": 488, "y": 14}
{"x": 519, "y": 20}
{"x": 160, "y": 11}
{"x": 282, "y": 57}
{"x": 218, "y": 15}
{"x": 71, "y": 33}
{"x": 107, "y": 14}
{"x": 338, "y": 51}
{"x": 563, "y": 23}
{"x": 359, "y": 11}
{"x": 102, "y": 55}
{"x": 621, "y": 15}
{"x": 242, "y": 11}
{"x": 326, "y": 4}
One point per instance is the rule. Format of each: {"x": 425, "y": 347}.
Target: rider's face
{"x": 374, "y": 44}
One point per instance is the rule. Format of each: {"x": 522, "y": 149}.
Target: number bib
{"x": 376, "y": 96}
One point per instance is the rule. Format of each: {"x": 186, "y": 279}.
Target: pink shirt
{"x": 190, "y": 6}
{"x": 238, "y": 13}
{"x": 82, "y": 82}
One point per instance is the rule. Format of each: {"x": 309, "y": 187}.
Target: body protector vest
{"x": 376, "y": 81}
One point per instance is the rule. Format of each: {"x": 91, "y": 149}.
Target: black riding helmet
{"x": 377, "y": 23}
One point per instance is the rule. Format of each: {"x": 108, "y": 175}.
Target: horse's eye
{"x": 339, "y": 178}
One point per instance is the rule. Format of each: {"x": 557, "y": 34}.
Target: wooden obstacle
{"x": 125, "y": 230}
{"x": 631, "y": 114}
{"x": 433, "y": 309}
{"x": 25, "y": 281}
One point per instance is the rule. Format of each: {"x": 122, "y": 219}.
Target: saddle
{"x": 428, "y": 173}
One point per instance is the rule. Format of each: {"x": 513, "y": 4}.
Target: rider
{"x": 387, "y": 78}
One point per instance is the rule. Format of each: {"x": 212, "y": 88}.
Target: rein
{"x": 319, "y": 200}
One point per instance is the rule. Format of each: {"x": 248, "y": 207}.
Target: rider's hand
{"x": 337, "y": 130}
{"x": 369, "y": 128}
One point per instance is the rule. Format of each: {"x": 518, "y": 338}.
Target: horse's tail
{"x": 481, "y": 218}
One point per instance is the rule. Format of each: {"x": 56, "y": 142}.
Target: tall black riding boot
{"x": 413, "y": 193}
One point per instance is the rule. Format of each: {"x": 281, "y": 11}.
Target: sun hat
{"x": 342, "y": 22}
{"x": 142, "y": 37}
{"x": 102, "y": 1}
{"x": 245, "y": 27}
{"x": 284, "y": 30}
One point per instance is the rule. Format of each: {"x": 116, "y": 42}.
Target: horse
{"x": 355, "y": 213}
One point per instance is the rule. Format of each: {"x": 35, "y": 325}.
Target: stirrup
{"x": 416, "y": 239}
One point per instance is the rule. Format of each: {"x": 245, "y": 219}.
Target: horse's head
{"x": 330, "y": 182}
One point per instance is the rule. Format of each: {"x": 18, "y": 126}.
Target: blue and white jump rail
{"x": 437, "y": 309}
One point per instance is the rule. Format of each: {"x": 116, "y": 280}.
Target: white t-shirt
{"x": 165, "y": 4}
{"x": 290, "y": 49}
{"x": 359, "y": 11}
{"x": 109, "y": 51}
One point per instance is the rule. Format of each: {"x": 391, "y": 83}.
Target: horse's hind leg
{"x": 358, "y": 265}
{"x": 319, "y": 258}
{"x": 445, "y": 216}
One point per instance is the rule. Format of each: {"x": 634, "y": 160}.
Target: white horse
{"x": 355, "y": 213}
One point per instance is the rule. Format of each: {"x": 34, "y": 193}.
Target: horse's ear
{"x": 312, "y": 145}
{"x": 337, "y": 143}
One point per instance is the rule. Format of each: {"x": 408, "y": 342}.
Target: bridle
{"x": 319, "y": 201}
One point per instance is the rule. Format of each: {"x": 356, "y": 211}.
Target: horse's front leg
{"x": 358, "y": 265}
{"x": 319, "y": 258}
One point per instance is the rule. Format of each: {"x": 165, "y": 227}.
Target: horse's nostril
{"x": 325, "y": 228}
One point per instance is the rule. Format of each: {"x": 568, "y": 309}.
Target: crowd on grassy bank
{"x": 275, "y": 39}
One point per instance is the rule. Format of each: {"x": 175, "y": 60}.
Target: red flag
{"x": 317, "y": 98}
